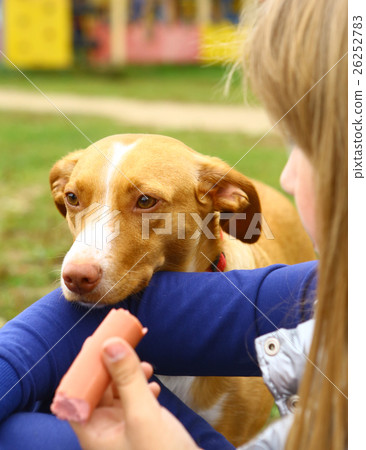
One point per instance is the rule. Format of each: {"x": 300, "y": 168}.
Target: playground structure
{"x": 54, "y": 33}
{"x": 36, "y": 33}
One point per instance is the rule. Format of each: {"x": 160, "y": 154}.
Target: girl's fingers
{"x": 147, "y": 369}
{"x": 155, "y": 388}
{"x": 107, "y": 399}
{"x": 128, "y": 375}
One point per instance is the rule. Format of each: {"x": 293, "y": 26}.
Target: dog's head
{"x": 136, "y": 204}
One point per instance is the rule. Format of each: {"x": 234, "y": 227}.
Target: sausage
{"x": 84, "y": 384}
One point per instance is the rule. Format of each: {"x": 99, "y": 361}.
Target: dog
{"x": 149, "y": 203}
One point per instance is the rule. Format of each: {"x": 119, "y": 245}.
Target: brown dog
{"x": 137, "y": 204}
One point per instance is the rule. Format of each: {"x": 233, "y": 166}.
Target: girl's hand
{"x": 134, "y": 420}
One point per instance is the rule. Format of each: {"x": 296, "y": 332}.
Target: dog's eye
{"x": 146, "y": 202}
{"x": 72, "y": 199}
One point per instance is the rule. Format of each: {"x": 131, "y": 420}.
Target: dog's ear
{"x": 60, "y": 175}
{"x": 231, "y": 192}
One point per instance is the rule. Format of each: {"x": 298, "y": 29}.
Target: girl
{"x": 294, "y": 45}
{"x": 299, "y": 70}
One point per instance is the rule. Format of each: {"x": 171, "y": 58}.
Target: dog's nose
{"x": 81, "y": 278}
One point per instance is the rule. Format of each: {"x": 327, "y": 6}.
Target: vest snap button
{"x": 292, "y": 402}
{"x": 271, "y": 346}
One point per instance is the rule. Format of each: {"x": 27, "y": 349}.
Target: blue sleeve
{"x": 199, "y": 324}
{"x": 203, "y": 434}
{"x": 37, "y": 431}
{"x": 38, "y": 346}
{"x": 41, "y": 431}
{"x": 206, "y": 323}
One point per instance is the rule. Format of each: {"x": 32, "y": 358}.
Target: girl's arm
{"x": 205, "y": 324}
{"x": 199, "y": 324}
{"x": 38, "y": 346}
{"x": 45, "y": 431}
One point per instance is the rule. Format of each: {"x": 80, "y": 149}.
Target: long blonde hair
{"x": 297, "y": 57}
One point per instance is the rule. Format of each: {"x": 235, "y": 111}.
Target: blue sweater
{"x": 199, "y": 324}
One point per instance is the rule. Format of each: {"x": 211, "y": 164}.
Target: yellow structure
{"x": 38, "y": 33}
{"x": 220, "y": 43}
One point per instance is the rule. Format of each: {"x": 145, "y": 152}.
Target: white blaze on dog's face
{"x": 106, "y": 193}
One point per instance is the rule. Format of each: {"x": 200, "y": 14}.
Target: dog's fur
{"x": 116, "y": 172}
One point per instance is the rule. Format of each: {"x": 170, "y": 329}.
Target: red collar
{"x": 220, "y": 262}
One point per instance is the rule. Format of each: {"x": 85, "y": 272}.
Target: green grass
{"x": 174, "y": 83}
{"x": 33, "y": 235}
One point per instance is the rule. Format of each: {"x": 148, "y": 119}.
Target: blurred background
{"x": 58, "y": 33}
{"x": 73, "y": 72}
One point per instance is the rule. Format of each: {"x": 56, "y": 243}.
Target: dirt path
{"x": 167, "y": 115}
